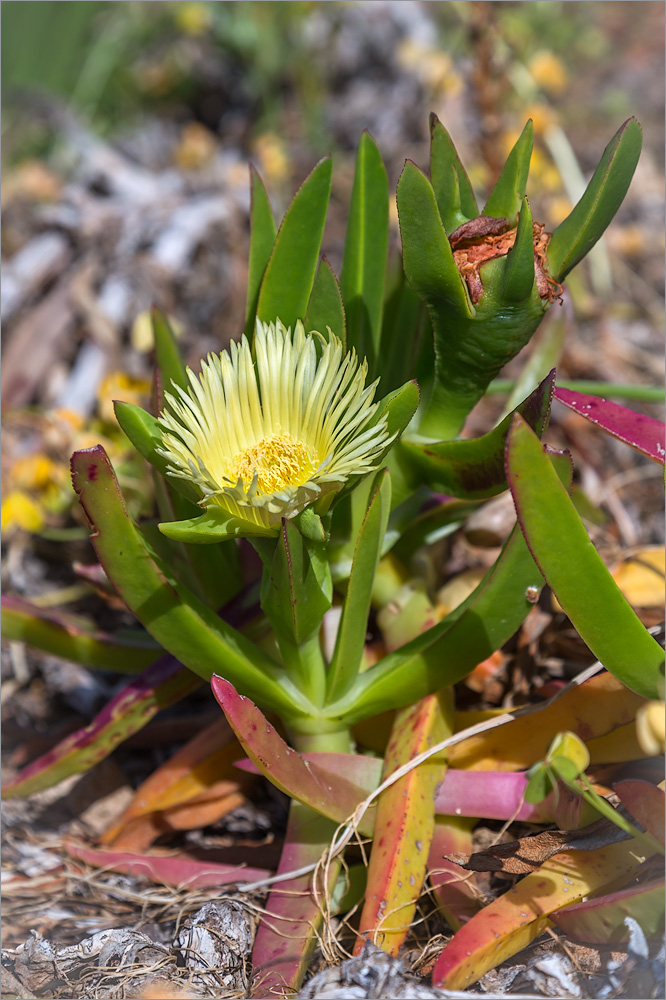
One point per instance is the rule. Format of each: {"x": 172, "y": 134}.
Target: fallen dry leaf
{"x": 528, "y": 853}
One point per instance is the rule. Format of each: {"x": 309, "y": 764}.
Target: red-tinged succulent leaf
{"x": 172, "y": 869}
{"x": 645, "y": 802}
{"x": 54, "y": 631}
{"x": 454, "y": 888}
{"x": 589, "y": 710}
{"x": 601, "y": 920}
{"x": 366, "y": 772}
{"x": 200, "y": 775}
{"x": 508, "y": 924}
{"x": 404, "y": 825}
{"x": 203, "y": 810}
{"x": 641, "y": 432}
{"x": 490, "y": 795}
{"x": 287, "y": 933}
{"x": 161, "y": 685}
{"x": 329, "y": 794}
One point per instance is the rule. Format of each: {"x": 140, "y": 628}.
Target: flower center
{"x": 278, "y": 461}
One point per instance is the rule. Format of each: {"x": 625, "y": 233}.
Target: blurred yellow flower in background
{"x": 548, "y": 72}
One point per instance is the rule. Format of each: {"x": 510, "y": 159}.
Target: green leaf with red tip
{"x": 519, "y": 270}
{"x": 328, "y": 793}
{"x": 262, "y": 238}
{"x": 577, "y": 234}
{"x": 289, "y": 275}
{"x": 292, "y": 916}
{"x": 167, "y": 353}
{"x": 161, "y": 685}
{"x": 404, "y": 825}
{"x": 645, "y": 802}
{"x": 453, "y": 191}
{"x": 350, "y": 642}
{"x": 181, "y": 871}
{"x": 602, "y": 920}
{"x": 508, "y": 924}
{"x": 75, "y": 639}
{"x": 511, "y": 185}
{"x": 641, "y": 432}
{"x": 325, "y": 308}
{"x": 473, "y": 468}
{"x": 365, "y": 253}
{"x": 177, "y": 619}
{"x": 213, "y": 526}
{"x": 589, "y": 596}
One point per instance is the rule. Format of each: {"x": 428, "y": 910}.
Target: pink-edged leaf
{"x": 161, "y": 685}
{"x": 404, "y": 825}
{"x": 508, "y": 924}
{"x": 180, "y": 871}
{"x": 330, "y": 794}
{"x": 645, "y": 802}
{"x": 601, "y": 920}
{"x": 475, "y": 794}
{"x": 454, "y": 888}
{"x": 643, "y": 433}
{"x": 287, "y": 933}
{"x": 498, "y": 795}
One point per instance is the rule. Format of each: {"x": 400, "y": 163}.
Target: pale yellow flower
{"x": 264, "y": 437}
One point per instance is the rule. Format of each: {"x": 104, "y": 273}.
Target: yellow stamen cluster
{"x": 276, "y": 461}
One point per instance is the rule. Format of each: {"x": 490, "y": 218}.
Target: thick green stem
{"x": 306, "y": 667}
{"x": 337, "y": 741}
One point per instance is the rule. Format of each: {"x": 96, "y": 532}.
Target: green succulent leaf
{"x": 403, "y": 310}
{"x": 167, "y": 352}
{"x": 511, "y": 185}
{"x": 365, "y": 252}
{"x": 214, "y": 525}
{"x": 581, "y": 229}
{"x": 519, "y": 269}
{"x": 298, "y": 591}
{"x": 472, "y": 468}
{"x": 447, "y": 652}
{"x": 262, "y": 239}
{"x": 348, "y": 654}
{"x": 325, "y": 308}
{"x": 144, "y": 432}
{"x": 565, "y": 555}
{"x": 427, "y": 255}
{"x": 453, "y": 191}
{"x": 289, "y": 275}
